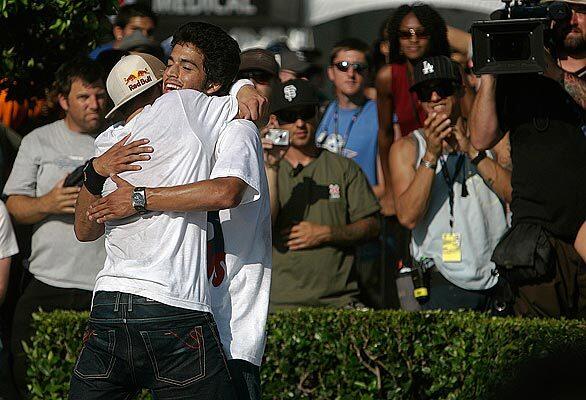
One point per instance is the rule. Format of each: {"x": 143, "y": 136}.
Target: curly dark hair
{"x": 433, "y": 23}
{"x": 83, "y": 68}
{"x": 221, "y": 53}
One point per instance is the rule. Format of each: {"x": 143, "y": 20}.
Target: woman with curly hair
{"x": 414, "y": 31}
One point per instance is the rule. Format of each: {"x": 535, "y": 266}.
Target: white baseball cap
{"x": 131, "y": 76}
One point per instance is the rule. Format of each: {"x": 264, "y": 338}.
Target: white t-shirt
{"x": 8, "y": 245}
{"x": 240, "y": 275}
{"x": 162, "y": 256}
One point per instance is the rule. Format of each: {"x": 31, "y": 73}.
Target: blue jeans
{"x": 133, "y": 343}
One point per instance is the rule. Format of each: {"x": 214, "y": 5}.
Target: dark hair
{"x": 432, "y": 22}
{"x": 131, "y": 11}
{"x": 89, "y": 71}
{"x": 351, "y": 44}
{"x": 221, "y": 53}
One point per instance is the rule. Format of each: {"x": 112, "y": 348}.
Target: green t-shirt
{"x": 331, "y": 190}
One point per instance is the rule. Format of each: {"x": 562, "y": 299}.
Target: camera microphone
{"x": 296, "y": 171}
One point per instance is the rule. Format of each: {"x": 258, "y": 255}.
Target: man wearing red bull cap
{"x": 186, "y": 71}
{"x": 239, "y": 266}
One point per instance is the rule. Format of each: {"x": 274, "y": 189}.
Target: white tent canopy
{"x": 320, "y": 11}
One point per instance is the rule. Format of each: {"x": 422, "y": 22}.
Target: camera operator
{"x": 545, "y": 117}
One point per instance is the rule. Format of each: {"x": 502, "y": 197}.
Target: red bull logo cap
{"x": 131, "y": 76}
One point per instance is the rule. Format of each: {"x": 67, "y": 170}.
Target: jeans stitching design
{"x": 111, "y": 346}
{"x": 196, "y": 333}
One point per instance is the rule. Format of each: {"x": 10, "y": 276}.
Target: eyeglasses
{"x": 290, "y": 116}
{"x": 419, "y": 33}
{"x": 262, "y": 77}
{"x": 344, "y": 66}
{"x": 443, "y": 90}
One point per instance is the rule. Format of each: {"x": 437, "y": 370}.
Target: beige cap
{"x": 131, "y": 76}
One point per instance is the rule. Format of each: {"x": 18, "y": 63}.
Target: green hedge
{"x": 332, "y": 354}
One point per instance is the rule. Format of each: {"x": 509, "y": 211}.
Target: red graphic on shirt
{"x": 216, "y": 253}
{"x": 216, "y": 267}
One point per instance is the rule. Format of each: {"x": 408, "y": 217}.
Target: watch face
{"x": 137, "y": 199}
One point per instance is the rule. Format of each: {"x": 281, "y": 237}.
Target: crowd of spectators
{"x": 422, "y": 174}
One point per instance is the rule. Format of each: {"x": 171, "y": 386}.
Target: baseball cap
{"x": 131, "y": 76}
{"x": 290, "y": 60}
{"x": 259, "y": 59}
{"x": 435, "y": 68}
{"x": 293, "y": 93}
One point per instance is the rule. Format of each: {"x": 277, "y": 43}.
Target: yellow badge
{"x": 452, "y": 247}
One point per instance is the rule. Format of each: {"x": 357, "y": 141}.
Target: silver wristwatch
{"x": 139, "y": 200}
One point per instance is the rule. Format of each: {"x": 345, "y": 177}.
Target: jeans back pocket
{"x": 96, "y": 359}
{"x": 177, "y": 355}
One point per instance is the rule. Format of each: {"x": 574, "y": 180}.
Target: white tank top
{"x": 479, "y": 218}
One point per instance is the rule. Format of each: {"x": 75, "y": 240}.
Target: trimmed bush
{"x": 339, "y": 354}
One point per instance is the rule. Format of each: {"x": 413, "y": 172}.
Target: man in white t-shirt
{"x": 239, "y": 263}
{"x": 151, "y": 324}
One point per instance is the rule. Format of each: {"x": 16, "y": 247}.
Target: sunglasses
{"x": 262, "y": 77}
{"x": 290, "y": 116}
{"x": 419, "y": 33}
{"x": 443, "y": 90}
{"x": 344, "y": 66}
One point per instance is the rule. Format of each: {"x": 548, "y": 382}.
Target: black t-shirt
{"x": 548, "y": 151}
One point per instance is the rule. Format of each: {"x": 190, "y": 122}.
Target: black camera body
{"x": 514, "y": 41}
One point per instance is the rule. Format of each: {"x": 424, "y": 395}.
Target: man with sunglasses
{"x": 322, "y": 206}
{"x": 349, "y": 127}
{"x": 546, "y": 120}
{"x": 447, "y": 193}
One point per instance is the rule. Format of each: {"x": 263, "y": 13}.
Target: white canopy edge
{"x": 320, "y": 11}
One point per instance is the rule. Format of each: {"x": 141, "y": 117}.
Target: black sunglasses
{"x": 345, "y": 66}
{"x": 443, "y": 90}
{"x": 420, "y": 33}
{"x": 290, "y": 116}
{"x": 261, "y": 77}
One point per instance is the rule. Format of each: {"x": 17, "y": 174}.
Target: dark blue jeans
{"x": 246, "y": 378}
{"x": 133, "y": 343}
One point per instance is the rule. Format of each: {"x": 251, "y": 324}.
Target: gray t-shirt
{"x": 47, "y": 155}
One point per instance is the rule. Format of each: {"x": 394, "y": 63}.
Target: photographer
{"x": 545, "y": 117}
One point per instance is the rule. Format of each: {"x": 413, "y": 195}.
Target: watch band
{"x": 481, "y": 156}
{"x": 93, "y": 182}
{"x": 429, "y": 165}
{"x": 139, "y": 199}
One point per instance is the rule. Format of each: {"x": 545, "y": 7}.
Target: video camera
{"x": 515, "y": 38}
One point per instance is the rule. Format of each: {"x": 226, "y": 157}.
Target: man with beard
{"x": 546, "y": 120}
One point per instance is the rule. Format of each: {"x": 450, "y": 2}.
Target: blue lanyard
{"x": 350, "y": 126}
